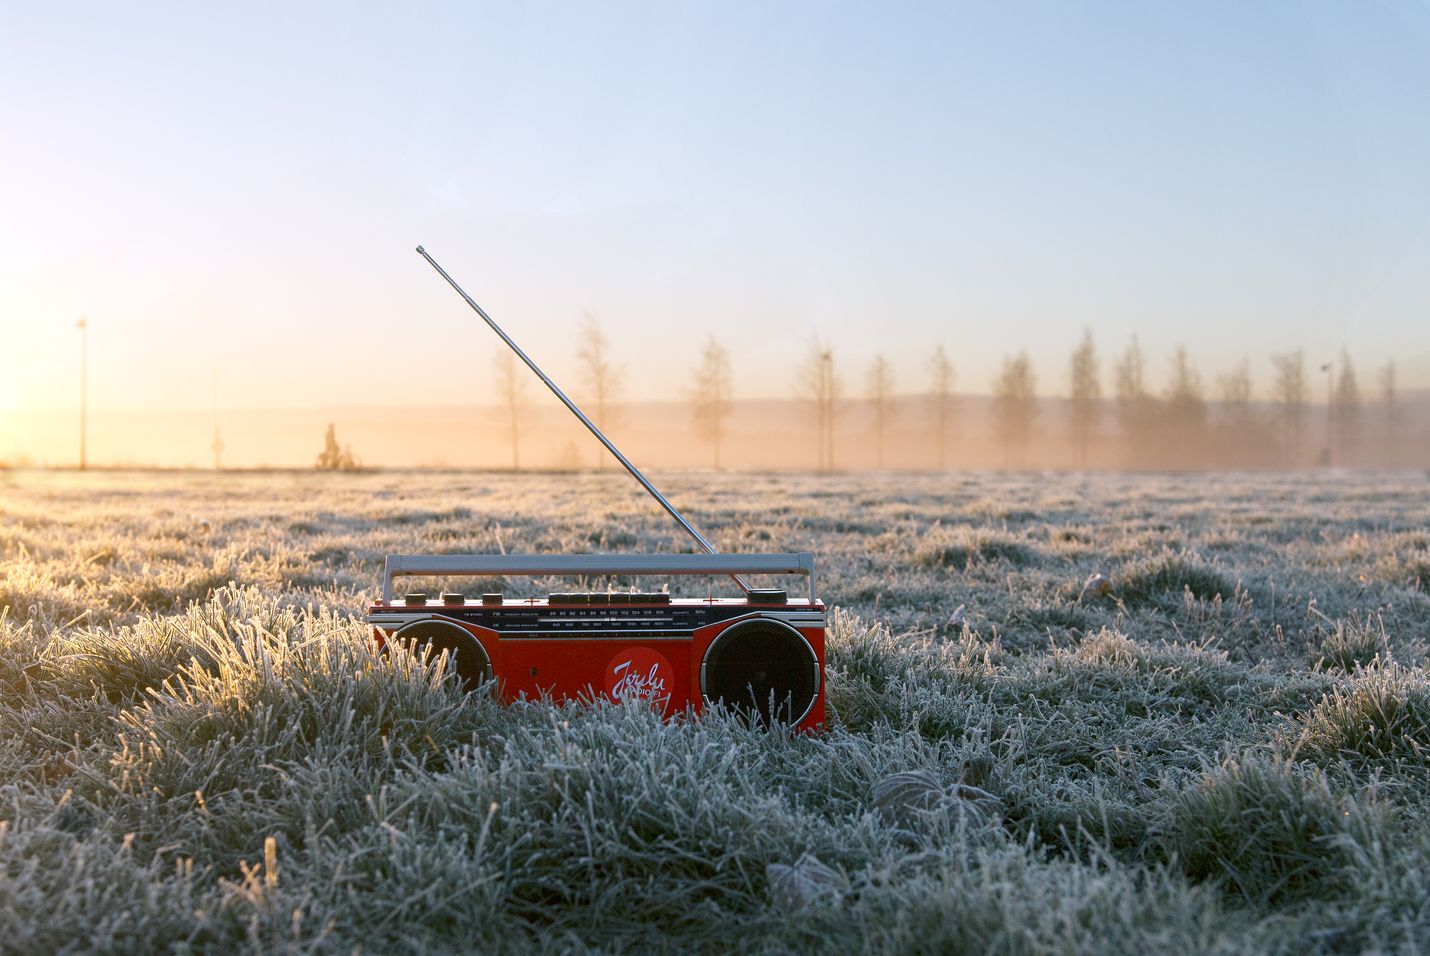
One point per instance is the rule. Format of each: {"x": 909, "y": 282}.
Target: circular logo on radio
{"x": 641, "y": 673}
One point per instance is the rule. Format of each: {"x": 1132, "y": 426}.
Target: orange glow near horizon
{"x": 235, "y": 206}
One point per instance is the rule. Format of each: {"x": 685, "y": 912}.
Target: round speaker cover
{"x": 763, "y": 669}
{"x": 465, "y": 654}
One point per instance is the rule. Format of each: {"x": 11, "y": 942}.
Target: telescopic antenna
{"x": 555, "y": 390}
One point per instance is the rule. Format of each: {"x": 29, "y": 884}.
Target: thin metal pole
{"x": 83, "y": 325}
{"x": 1330, "y": 414}
{"x": 217, "y": 445}
{"x": 555, "y": 390}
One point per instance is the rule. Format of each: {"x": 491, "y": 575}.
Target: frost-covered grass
{"x": 1219, "y": 745}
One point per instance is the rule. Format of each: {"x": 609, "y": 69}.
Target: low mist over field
{"x": 1068, "y": 713}
{"x": 1117, "y": 413}
{"x": 769, "y": 434}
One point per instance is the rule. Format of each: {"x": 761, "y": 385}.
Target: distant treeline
{"x": 1190, "y": 423}
{"x": 1094, "y": 413}
{"x": 1124, "y": 410}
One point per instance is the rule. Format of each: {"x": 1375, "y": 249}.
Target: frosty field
{"x": 1223, "y": 747}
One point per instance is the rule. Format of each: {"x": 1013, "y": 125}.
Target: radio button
{"x": 451, "y": 599}
{"x": 415, "y": 599}
{"x": 490, "y": 599}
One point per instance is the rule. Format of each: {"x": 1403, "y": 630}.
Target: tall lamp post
{"x": 826, "y": 374}
{"x": 1330, "y": 415}
{"x": 83, "y": 326}
{"x": 217, "y": 445}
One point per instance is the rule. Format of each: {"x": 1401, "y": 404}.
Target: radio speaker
{"x": 762, "y": 669}
{"x": 464, "y": 653}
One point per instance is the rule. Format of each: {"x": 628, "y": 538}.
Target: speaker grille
{"x": 465, "y": 654}
{"x": 761, "y": 668}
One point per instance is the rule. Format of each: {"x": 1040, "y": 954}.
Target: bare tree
{"x": 819, "y": 383}
{"x": 603, "y": 380}
{"x": 1083, "y": 396}
{"x": 511, "y": 385}
{"x": 1345, "y": 415}
{"x": 711, "y": 395}
{"x": 1390, "y": 409}
{"x": 1136, "y": 408}
{"x": 881, "y": 387}
{"x": 1241, "y": 439}
{"x": 1014, "y": 406}
{"x": 1185, "y": 411}
{"x": 1234, "y": 391}
{"x": 1288, "y": 389}
{"x": 940, "y": 394}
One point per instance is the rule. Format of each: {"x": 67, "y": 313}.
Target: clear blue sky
{"x": 236, "y": 194}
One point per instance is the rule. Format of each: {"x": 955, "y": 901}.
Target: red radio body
{"x": 761, "y": 654}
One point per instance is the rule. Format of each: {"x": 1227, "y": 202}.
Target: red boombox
{"x": 761, "y": 655}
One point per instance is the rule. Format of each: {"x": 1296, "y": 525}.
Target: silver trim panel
{"x": 631, "y": 636}
{"x": 487, "y": 565}
{"x": 398, "y": 619}
{"x": 796, "y": 618}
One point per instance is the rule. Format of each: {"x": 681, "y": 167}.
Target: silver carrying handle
{"x": 487, "y": 565}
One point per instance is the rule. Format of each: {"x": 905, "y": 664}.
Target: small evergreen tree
{"x": 334, "y": 457}
{"x": 1288, "y": 388}
{"x": 1390, "y": 409}
{"x": 1345, "y": 412}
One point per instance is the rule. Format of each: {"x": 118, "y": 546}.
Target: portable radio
{"x": 761, "y": 654}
